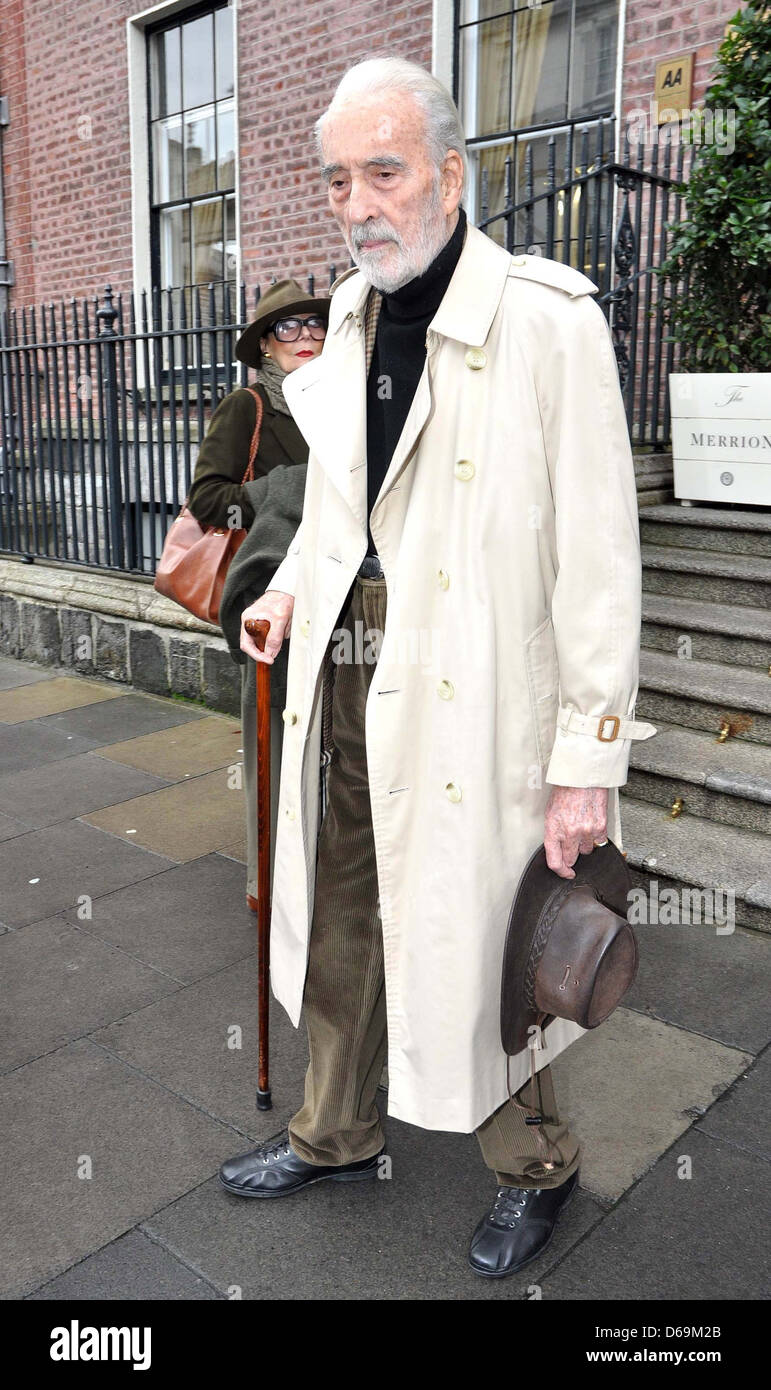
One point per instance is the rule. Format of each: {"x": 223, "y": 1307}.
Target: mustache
{"x": 375, "y": 230}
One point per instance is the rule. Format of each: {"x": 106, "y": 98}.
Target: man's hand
{"x": 278, "y": 609}
{"x": 575, "y": 817}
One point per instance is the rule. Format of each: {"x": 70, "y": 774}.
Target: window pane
{"x": 483, "y": 9}
{"x": 485, "y": 77}
{"x": 175, "y": 247}
{"x": 165, "y": 89}
{"x": 198, "y": 60}
{"x": 541, "y": 64}
{"x": 200, "y": 159}
{"x": 167, "y": 159}
{"x": 594, "y": 56}
{"x": 226, "y": 147}
{"x": 208, "y": 248}
{"x": 223, "y": 25}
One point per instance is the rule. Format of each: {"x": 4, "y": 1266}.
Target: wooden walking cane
{"x": 258, "y": 629}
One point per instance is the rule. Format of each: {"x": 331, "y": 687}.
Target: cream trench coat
{"x": 508, "y": 532}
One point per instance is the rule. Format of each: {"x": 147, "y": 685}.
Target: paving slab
{"x": 183, "y": 821}
{"x": 59, "y": 983}
{"x": 400, "y": 1237}
{"x": 189, "y": 920}
{"x": 79, "y": 1110}
{"x": 679, "y": 1238}
{"x": 126, "y": 717}
{"x": 710, "y": 984}
{"x": 14, "y": 673}
{"x": 742, "y": 1117}
{"x": 630, "y": 1088}
{"x": 62, "y": 790}
{"x": 33, "y": 744}
{"x": 131, "y": 1267}
{"x": 50, "y": 697}
{"x": 237, "y": 851}
{"x": 9, "y": 827}
{"x": 48, "y": 870}
{"x": 201, "y": 746}
{"x": 186, "y": 1042}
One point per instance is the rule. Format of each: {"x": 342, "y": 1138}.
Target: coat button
{"x": 289, "y": 716}
{"x": 464, "y": 469}
{"x": 476, "y": 359}
{"x": 290, "y": 813}
{"x": 445, "y": 689}
{"x": 305, "y": 626}
{"x": 443, "y": 579}
{"x": 453, "y": 792}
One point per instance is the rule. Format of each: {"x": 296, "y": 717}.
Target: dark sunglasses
{"x": 289, "y": 330}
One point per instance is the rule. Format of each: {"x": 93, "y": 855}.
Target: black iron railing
{"x": 103, "y": 408}
{"x": 608, "y": 219}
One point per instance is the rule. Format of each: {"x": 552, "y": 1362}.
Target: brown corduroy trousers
{"x": 344, "y": 1000}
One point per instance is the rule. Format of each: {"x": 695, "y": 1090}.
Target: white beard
{"x": 410, "y": 261}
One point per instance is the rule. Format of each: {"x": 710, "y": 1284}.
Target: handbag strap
{"x": 255, "y": 444}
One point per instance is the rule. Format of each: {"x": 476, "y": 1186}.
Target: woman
{"x": 289, "y": 330}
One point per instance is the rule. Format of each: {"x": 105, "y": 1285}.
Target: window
{"x": 192, "y": 155}
{"x": 527, "y": 74}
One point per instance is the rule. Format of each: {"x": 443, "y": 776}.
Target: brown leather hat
{"x": 570, "y": 951}
{"x": 280, "y": 301}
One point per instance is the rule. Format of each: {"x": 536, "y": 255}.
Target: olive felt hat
{"x": 280, "y": 301}
{"x": 570, "y": 950}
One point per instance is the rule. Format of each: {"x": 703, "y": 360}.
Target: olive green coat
{"x": 224, "y": 454}
{"x": 275, "y": 504}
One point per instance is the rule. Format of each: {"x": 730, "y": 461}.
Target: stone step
{"x": 691, "y": 852}
{"x": 729, "y": 783}
{"x": 648, "y": 461}
{"x": 734, "y": 634}
{"x": 653, "y": 497}
{"x": 716, "y": 576}
{"x": 699, "y": 694}
{"x": 737, "y": 531}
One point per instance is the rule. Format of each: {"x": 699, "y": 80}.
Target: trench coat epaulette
{"x": 550, "y": 272}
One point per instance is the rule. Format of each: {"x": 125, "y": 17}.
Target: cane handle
{"x": 258, "y": 629}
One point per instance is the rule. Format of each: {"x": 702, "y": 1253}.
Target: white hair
{"x": 444, "y": 130}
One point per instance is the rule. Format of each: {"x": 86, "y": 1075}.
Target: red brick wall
{"x": 654, "y": 32}
{"x": 291, "y": 59}
{"x": 66, "y": 151}
{"x": 63, "y": 66}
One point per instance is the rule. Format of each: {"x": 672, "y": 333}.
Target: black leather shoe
{"x": 275, "y": 1170}
{"x": 518, "y": 1227}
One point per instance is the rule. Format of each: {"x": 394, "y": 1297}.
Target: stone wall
{"x": 117, "y": 628}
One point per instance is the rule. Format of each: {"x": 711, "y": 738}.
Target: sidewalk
{"x": 127, "y": 959}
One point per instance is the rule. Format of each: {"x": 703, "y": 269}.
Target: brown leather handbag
{"x": 195, "y": 559}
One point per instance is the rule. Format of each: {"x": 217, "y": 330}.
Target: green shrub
{"x": 723, "y": 248}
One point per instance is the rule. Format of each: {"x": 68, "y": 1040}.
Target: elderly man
{"x": 470, "y": 464}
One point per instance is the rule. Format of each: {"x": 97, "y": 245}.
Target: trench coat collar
{"x": 469, "y": 304}
{"x": 327, "y": 397}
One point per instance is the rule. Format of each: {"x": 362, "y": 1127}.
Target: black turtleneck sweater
{"x": 398, "y": 358}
